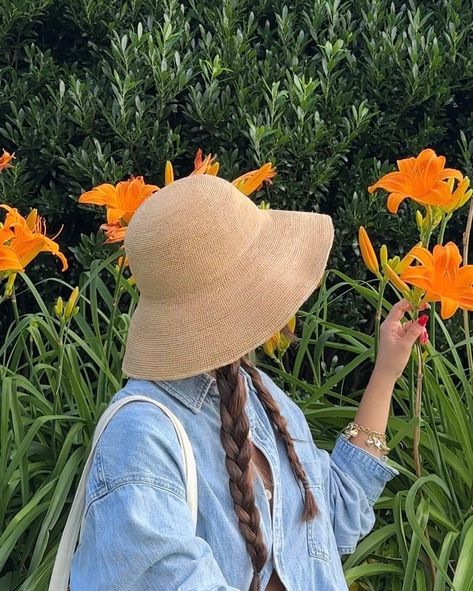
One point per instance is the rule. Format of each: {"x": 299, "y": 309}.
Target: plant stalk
{"x": 417, "y": 410}
{"x": 466, "y": 323}
{"x": 433, "y": 305}
{"x": 379, "y": 306}
{"x": 417, "y": 414}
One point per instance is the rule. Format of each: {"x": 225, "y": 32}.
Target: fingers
{"x": 424, "y": 335}
{"x": 414, "y": 331}
{"x": 400, "y": 308}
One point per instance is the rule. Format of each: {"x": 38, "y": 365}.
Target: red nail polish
{"x": 422, "y": 320}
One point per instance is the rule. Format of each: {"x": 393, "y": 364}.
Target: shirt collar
{"x": 193, "y": 390}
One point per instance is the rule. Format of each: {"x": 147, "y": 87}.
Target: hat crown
{"x": 188, "y": 234}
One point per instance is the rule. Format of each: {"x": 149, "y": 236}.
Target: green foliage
{"x": 330, "y": 91}
{"x": 58, "y": 373}
{"x": 418, "y": 519}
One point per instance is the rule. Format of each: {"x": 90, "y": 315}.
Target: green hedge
{"x": 331, "y": 92}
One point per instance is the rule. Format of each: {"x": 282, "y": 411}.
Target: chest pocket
{"x": 318, "y": 528}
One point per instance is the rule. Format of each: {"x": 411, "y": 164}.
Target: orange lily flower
{"x": 253, "y": 180}
{"x": 122, "y": 200}
{"x": 29, "y": 239}
{"x": 9, "y": 260}
{"x": 115, "y": 232}
{"x": 460, "y": 196}
{"x": 206, "y": 165}
{"x": 5, "y": 160}
{"x": 6, "y": 233}
{"x": 442, "y": 278}
{"x": 421, "y": 178}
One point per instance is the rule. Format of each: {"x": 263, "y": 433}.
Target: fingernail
{"x": 422, "y": 320}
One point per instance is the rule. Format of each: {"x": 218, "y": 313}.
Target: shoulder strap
{"x": 60, "y": 576}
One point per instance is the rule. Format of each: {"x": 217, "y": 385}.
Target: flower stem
{"x": 466, "y": 324}
{"x": 22, "y": 336}
{"x": 443, "y": 225}
{"x": 417, "y": 409}
{"x": 433, "y": 311}
{"x": 417, "y": 414}
{"x": 280, "y": 363}
{"x": 57, "y": 406}
{"x": 379, "y": 307}
{"x": 15, "y": 305}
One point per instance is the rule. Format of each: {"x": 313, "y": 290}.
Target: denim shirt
{"x": 138, "y": 533}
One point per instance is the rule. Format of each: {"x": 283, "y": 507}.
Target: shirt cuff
{"x": 370, "y": 472}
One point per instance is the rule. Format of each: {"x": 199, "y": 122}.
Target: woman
{"x": 217, "y": 277}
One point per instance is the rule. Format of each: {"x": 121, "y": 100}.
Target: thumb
{"x": 416, "y": 329}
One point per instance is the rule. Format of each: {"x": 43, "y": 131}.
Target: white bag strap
{"x": 60, "y": 576}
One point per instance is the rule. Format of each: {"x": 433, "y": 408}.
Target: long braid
{"x": 234, "y": 434}
{"x": 238, "y": 449}
{"x": 310, "y": 506}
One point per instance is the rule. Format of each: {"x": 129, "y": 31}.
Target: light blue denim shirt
{"x": 138, "y": 533}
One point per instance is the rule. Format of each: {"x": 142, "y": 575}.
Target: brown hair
{"x": 238, "y": 451}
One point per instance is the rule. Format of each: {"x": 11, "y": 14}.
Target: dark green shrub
{"x": 329, "y": 91}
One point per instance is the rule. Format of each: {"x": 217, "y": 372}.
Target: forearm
{"x": 373, "y": 410}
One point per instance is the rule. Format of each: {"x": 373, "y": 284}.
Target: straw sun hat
{"x": 217, "y": 275}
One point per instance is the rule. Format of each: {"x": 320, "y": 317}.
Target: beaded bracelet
{"x": 375, "y": 438}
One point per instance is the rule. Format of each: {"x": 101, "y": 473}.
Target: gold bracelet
{"x": 375, "y": 438}
{"x": 354, "y": 425}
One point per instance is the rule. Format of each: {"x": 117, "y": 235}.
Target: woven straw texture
{"x": 217, "y": 275}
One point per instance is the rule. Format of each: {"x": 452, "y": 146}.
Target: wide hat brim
{"x": 200, "y": 332}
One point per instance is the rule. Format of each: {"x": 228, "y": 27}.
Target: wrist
{"x": 383, "y": 377}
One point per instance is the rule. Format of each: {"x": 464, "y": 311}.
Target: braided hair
{"x": 234, "y": 435}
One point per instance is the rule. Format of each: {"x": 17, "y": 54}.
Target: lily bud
{"x": 367, "y": 251}
{"x": 168, "y": 173}
{"x": 70, "y": 306}
{"x": 419, "y": 221}
{"x": 395, "y": 279}
{"x": 383, "y": 255}
{"x": 59, "y": 307}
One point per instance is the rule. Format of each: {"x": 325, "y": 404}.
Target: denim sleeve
{"x": 355, "y": 480}
{"x": 138, "y": 533}
{"x": 140, "y": 537}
